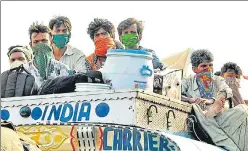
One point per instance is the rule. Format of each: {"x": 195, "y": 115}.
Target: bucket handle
{"x": 144, "y": 69}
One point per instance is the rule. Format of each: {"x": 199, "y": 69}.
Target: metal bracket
{"x": 149, "y": 113}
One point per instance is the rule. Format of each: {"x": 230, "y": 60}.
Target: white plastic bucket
{"x": 129, "y": 69}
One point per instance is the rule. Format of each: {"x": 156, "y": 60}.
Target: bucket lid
{"x": 129, "y": 52}
{"x": 92, "y": 85}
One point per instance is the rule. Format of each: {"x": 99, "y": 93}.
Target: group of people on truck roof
{"x": 52, "y": 56}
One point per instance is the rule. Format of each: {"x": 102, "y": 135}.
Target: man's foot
{"x": 245, "y": 77}
{"x": 216, "y": 108}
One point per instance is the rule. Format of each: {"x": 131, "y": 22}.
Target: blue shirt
{"x": 157, "y": 64}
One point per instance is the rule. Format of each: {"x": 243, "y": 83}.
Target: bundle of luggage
{"x": 19, "y": 82}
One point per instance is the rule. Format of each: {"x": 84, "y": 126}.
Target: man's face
{"x": 20, "y": 56}
{"x": 203, "y": 67}
{"x": 101, "y": 33}
{"x": 230, "y": 75}
{"x": 60, "y": 30}
{"x": 40, "y": 37}
{"x": 131, "y": 29}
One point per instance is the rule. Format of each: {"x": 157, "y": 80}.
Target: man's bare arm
{"x": 184, "y": 98}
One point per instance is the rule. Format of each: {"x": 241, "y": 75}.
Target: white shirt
{"x": 59, "y": 69}
{"x": 74, "y": 59}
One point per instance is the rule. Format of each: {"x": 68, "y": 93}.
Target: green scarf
{"x": 42, "y": 58}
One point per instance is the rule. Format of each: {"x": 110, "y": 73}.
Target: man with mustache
{"x": 102, "y": 32}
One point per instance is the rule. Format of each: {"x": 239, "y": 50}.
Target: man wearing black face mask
{"x": 63, "y": 52}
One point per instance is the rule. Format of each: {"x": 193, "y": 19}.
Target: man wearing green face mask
{"x": 61, "y": 33}
{"x": 130, "y": 34}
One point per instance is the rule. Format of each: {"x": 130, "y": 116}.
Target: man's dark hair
{"x": 128, "y": 22}
{"x": 38, "y": 28}
{"x": 58, "y": 21}
{"x": 16, "y": 50}
{"x": 19, "y": 48}
{"x": 217, "y": 73}
{"x": 231, "y": 66}
{"x": 199, "y": 56}
{"x": 98, "y": 23}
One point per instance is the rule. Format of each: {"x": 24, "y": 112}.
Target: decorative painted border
{"x": 66, "y": 102}
{"x": 116, "y": 126}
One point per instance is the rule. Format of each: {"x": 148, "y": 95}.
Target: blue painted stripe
{"x": 140, "y": 52}
{"x": 184, "y": 134}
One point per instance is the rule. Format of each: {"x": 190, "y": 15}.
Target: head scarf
{"x": 205, "y": 84}
{"x": 42, "y": 58}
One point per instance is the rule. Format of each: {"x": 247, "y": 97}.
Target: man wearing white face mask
{"x": 19, "y": 55}
{"x": 232, "y": 73}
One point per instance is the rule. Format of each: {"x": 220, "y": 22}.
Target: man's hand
{"x": 209, "y": 101}
{"x": 193, "y": 100}
{"x": 196, "y": 100}
{"x": 245, "y": 77}
{"x": 201, "y": 102}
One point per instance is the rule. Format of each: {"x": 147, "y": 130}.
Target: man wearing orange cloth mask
{"x": 102, "y": 32}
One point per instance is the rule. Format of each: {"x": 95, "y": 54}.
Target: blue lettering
{"x": 75, "y": 113}
{"x": 126, "y": 139}
{"x": 145, "y": 141}
{"x": 117, "y": 145}
{"x": 136, "y": 140}
{"x": 44, "y": 113}
{"x": 163, "y": 143}
{"x": 151, "y": 142}
{"x": 82, "y": 113}
{"x": 55, "y": 112}
{"x": 105, "y": 138}
{"x": 62, "y": 117}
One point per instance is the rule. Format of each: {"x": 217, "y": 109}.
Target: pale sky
{"x": 170, "y": 27}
